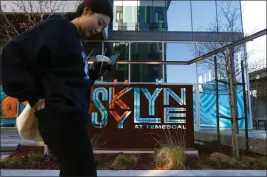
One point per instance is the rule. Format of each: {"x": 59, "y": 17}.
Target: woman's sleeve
{"x": 25, "y": 54}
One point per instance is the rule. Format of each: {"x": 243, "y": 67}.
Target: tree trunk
{"x": 232, "y": 101}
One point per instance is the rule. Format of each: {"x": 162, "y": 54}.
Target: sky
{"x": 254, "y": 19}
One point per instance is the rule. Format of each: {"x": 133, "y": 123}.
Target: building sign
{"x": 131, "y": 116}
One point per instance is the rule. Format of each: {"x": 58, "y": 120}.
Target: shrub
{"x": 11, "y": 163}
{"x": 221, "y": 161}
{"x": 36, "y": 158}
{"x": 262, "y": 162}
{"x": 170, "y": 157}
{"x": 171, "y": 152}
{"x": 124, "y": 162}
{"x": 254, "y": 163}
{"x": 248, "y": 161}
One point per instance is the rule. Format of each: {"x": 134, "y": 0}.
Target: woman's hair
{"x": 96, "y": 6}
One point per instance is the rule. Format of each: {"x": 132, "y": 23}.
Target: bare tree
{"x": 23, "y": 14}
{"x": 228, "y": 21}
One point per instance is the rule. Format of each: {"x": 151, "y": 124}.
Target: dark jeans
{"x": 70, "y": 143}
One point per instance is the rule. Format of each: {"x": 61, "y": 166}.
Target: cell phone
{"x": 114, "y": 58}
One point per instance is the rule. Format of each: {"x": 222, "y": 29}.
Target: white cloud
{"x": 254, "y": 20}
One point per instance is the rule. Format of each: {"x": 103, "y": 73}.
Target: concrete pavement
{"x": 10, "y": 140}
{"x": 143, "y": 172}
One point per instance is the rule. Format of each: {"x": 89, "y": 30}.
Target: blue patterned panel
{"x": 208, "y": 107}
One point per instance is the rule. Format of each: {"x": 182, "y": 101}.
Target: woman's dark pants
{"x": 70, "y": 143}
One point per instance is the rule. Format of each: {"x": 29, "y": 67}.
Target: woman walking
{"x": 46, "y": 65}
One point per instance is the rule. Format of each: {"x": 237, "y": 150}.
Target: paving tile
{"x": 5, "y": 155}
{"x": 229, "y": 172}
{"x": 8, "y": 147}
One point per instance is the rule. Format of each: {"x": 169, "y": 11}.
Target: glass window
{"x": 118, "y": 14}
{"x": 92, "y": 49}
{"x": 229, "y": 16}
{"x": 147, "y": 73}
{"x": 179, "y": 51}
{"x": 239, "y": 56}
{"x": 181, "y": 73}
{"x": 120, "y": 74}
{"x": 126, "y": 15}
{"x": 121, "y": 48}
{"x": 206, "y": 47}
{"x": 145, "y": 15}
{"x": 129, "y": 16}
{"x": 204, "y": 16}
{"x": 159, "y": 16}
{"x": 152, "y": 15}
{"x": 144, "y": 51}
{"x": 178, "y": 16}
{"x": 206, "y": 67}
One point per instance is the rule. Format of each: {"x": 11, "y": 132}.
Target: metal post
{"x": 246, "y": 74}
{"x": 217, "y": 100}
{"x": 163, "y": 59}
{"x": 103, "y": 53}
{"x": 197, "y": 100}
{"x": 18, "y": 112}
{"x": 197, "y": 107}
{"x": 245, "y": 104}
{"x": 1, "y": 112}
{"x": 129, "y": 65}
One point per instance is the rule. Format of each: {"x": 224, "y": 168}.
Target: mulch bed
{"x": 104, "y": 161}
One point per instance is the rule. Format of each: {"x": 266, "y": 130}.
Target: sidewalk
{"x": 142, "y": 173}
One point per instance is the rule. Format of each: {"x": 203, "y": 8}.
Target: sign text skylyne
{"x": 172, "y": 116}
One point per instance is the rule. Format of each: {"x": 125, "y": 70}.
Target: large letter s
{"x": 104, "y": 113}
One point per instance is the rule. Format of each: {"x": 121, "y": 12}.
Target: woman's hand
{"x": 97, "y": 70}
{"x": 100, "y": 68}
{"x": 39, "y": 105}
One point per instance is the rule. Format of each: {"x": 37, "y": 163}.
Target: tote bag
{"x": 27, "y": 125}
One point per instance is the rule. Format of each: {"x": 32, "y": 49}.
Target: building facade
{"x": 155, "y": 31}
{"x": 147, "y": 33}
